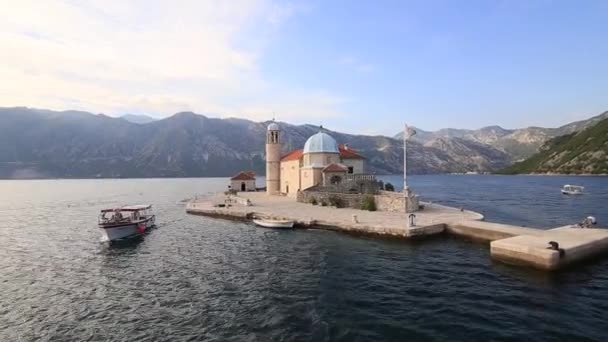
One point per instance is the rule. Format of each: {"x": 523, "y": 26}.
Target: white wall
{"x": 249, "y": 185}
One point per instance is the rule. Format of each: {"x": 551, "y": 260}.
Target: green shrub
{"x": 369, "y": 203}
{"x": 389, "y": 187}
{"x": 336, "y": 201}
{"x": 312, "y": 201}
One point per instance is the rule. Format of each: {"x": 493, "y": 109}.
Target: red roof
{"x": 345, "y": 153}
{"x": 349, "y": 153}
{"x": 293, "y": 155}
{"x": 333, "y": 167}
{"x": 244, "y": 175}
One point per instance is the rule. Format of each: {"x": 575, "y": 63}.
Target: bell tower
{"x": 273, "y": 159}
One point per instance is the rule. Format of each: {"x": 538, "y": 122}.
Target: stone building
{"x": 327, "y": 172}
{"x": 273, "y": 159}
{"x": 243, "y": 181}
{"x": 321, "y": 162}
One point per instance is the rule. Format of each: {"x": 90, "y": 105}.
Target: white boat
{"x": 125, "y": 222}
{"x": 273, "y": 223}
{"x": 572, "y": 189}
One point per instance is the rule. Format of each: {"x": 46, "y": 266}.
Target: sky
{"x": 363, "y": 67}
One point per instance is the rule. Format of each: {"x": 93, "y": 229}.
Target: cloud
{"x": 151, "y": 57}
{"x": 353, "y": 63}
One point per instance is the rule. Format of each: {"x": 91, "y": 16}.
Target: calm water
{"x": 195, "y": 278}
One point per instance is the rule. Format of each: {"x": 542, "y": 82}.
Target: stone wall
{"x": 385, "y": 200}
{"x": 370, "y": 187}
{"x": 390, "y": 201}
{"x": 396, "y": 201}
{"x": 349, "y": 200}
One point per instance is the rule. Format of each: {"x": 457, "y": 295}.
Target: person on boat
{"x": 117, "y": 215}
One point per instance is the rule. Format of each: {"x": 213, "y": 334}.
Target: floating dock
{"x": 508, "y": 243}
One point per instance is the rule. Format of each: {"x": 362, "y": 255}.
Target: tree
{"x": 369, "y": 203}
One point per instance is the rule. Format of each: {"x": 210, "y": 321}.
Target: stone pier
{"x": 508, "y": 243}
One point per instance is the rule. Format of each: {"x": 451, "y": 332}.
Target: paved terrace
{"x": 304, "y": 214}
{"x": 511, "y": 244}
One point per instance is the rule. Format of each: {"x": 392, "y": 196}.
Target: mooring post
{"x": 412, "y": 220}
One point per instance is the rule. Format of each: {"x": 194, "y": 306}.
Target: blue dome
{"x": 321, "y": 142}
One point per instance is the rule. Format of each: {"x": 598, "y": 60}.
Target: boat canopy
{"x": 574, "y": 187}
{"x": 137, "y": 207}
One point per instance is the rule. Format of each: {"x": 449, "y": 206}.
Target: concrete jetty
{"x": 508, "y": 243}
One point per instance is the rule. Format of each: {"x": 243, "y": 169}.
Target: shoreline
{"x": 388, "y": 175}
{"x": 554, "y": 174}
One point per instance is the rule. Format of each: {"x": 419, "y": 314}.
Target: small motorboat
{"x": 273, "y": 223}
{"x": 126, "y": 222}
{"x": 572, "y": 189}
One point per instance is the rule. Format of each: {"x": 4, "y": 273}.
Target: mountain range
{"x": 517, "y": 143}
{"x": 37, "y": 143}
{"x": 138, "y": 119}
{"x": 581, "y": 152}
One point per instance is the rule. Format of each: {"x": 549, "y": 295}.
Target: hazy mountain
{"x": 585, "y": 151}
{"x": 517, "y": 143}
{"x": 40, "y": 143}
{"x": 138, "y": 119}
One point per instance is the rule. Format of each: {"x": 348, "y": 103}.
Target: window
{"x": 351, "y": 169}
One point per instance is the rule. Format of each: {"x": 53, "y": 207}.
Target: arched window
{"x": 273, "y": 137}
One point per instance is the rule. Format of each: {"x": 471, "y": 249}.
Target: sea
{"x": 200, "y": 279}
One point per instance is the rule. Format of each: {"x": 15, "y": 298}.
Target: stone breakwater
{"x": 508, "y": 243}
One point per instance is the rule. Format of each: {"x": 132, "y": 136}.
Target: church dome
{"x": 273, "y": 126}
{"x": 321, "y": 142}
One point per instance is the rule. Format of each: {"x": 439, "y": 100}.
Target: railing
{"x": 360, "y": 177}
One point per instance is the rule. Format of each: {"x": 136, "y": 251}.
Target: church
{"x": 321, "y": 162}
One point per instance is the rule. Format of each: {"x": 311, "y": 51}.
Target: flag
{"x": 409, "y": 132}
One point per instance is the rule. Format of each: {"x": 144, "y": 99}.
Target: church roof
{"x": 244, "y": 175}
{"x": 321, "y": 143}
{"x": 345, "y": 153}
{"x": 293, "y": 155}
{"x": 349, "y": 153}
{"x": 333, "y": 167}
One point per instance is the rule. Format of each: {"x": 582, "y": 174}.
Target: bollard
{"x": 412, "y": 220}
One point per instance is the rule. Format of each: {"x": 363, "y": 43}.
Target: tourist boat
{"x": 572, "y": 189}
{"x": 274, "y": 223}
{"x": 125, "y": 222}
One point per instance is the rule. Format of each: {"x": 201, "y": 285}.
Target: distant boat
{"x": 125, "y": 222}
{"x": 572, "y": 189}
{"x": 274, "y": 223}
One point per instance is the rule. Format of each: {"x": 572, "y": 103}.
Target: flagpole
{"x": 405, "y": 159}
